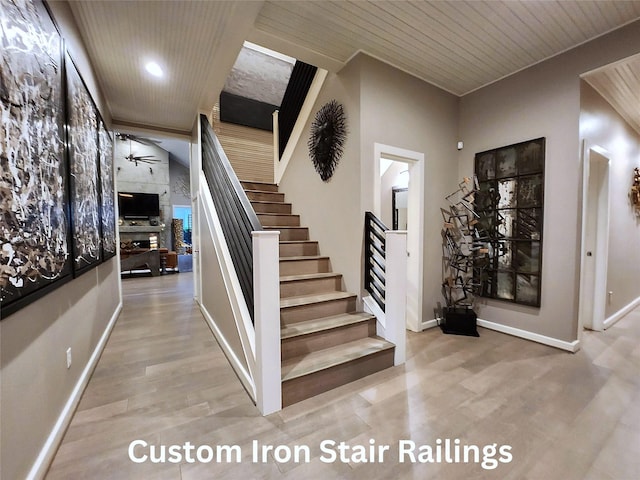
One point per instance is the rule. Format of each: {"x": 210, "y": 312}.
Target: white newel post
{"x": 266, "y": 298}
{"x": 396, "y": 291}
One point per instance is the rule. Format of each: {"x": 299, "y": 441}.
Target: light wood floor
{"x": 163, "y": 379}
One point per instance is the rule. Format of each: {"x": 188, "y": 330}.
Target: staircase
{"x": 325, "y": 342}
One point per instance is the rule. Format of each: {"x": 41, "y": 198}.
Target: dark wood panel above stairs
{"x": 325, "y": 341}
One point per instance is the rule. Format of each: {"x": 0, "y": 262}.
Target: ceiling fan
{"x": 138, "y": 158}
{"x": 141, "y": 158}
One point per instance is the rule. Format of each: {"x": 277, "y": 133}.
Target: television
{"x": 138, "y": 205}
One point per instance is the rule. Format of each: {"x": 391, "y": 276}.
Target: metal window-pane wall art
{"x": 34, "y": 225}
{"x": 510, "y": 205}
{"x": 107, "y": 203}
{"x": 82, "y": 121}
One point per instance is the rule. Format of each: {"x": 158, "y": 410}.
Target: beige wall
{"x": 383, "y": 105}
{"x": 402, "y": 111}
{"x": 544, "y": 101}
{"x": 601, "y": 125}
{"x": 35, "y": 383}
{"x": 332, "y": 210}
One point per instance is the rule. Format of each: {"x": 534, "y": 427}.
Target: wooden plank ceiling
{"x": 619, "y": 84}
{"x": 459, "y": 46}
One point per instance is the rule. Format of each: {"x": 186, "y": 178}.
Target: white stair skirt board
{"x": 534, "y": 337}
{"x": 45, "y": 457}
{"x": 609, "y": 322}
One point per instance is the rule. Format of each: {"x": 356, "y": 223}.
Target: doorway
{"x": 412, "y": 170}
{"x": 400, "y": 208}
{"x": 595, "y": 238}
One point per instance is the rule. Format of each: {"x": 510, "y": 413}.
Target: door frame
{"x": 595, "y": 237}
{"x": 415, "y": 232}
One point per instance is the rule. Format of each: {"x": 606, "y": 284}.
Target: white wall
{"x": 544, "y": 101}
{"x": 36, "y": 384}
{"x": 387, "y": 181}
{"x": 601, "y": 125}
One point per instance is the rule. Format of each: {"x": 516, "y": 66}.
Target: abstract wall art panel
{"x": 510, "y": 209}
{"x": 82, "y": 121}
{"x": 34, "y": 224}
{"x": 107, "y": 203}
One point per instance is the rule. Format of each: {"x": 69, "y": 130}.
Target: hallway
{"x": 163, "y": 379}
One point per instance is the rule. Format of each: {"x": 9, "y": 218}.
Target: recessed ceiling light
{"x": 154, "y": 69}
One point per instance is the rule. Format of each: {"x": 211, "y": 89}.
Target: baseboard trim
{"x": 238, "y": 368}
{"x": 534, "y": 337}
{"x": 426, "y": 324}
{"x": 609, "y": 322}
{"x": 48, "y": 451}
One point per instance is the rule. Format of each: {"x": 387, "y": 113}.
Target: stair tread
{"x": 298, "y": 258}
{"x": 278, "y": 227}
{"x": 308, "y": 276}
{"x": 324, "y": 323}
{"x": 329, "y": 357}
{"x": 298, "y": 241}
{"x": 253, "y": 190}
{"x": 316, "y": 298}
{"x": 258, "y": 182}
{"x": 266, "y": 202}
{"x": 276, "y": 214}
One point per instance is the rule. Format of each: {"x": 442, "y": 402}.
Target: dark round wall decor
{"x": 328, "y": 134}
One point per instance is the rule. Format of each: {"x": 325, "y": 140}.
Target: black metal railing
{"x": 236, "y": 214}
{"x": 374, "y": 258}
{"x": 294, "y": 96}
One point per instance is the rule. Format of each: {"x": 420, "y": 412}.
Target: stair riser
{"x": 298, "y": 249}
{"x": 265, "y": 187}
{"x": 292, "y": 233}
{"x": 310, "y": 287}
{"x": 272, "y": 207}
{"x": 301, "y": 388}
{"x": 292, "y": 347}
{"x": 266, "y": 196}
{"x": 301, "y": 313}
{"x": 300, "y": 267}
{"x": 268, "y": 220}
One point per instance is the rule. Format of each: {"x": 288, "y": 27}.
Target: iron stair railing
{"x": 236, "y": 214}
{"x": 375, "y": 258}
{"x": 294, "y": 96}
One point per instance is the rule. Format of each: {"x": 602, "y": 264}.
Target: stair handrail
{"x": 375, "y": 258}
{"x": 237, "y": 217}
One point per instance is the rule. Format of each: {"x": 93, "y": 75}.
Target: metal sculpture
{"x": 326, "y": 141}
{"x": 466, "y": 246}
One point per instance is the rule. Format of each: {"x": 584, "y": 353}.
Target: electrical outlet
{"x": 69, "y": 357}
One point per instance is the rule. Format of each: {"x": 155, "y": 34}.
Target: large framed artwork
{"x": 510, "y": 205}
{"x": 107, "y": 203}
{"x": 34, "y": 222}
{"x": 82, "y": 121}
